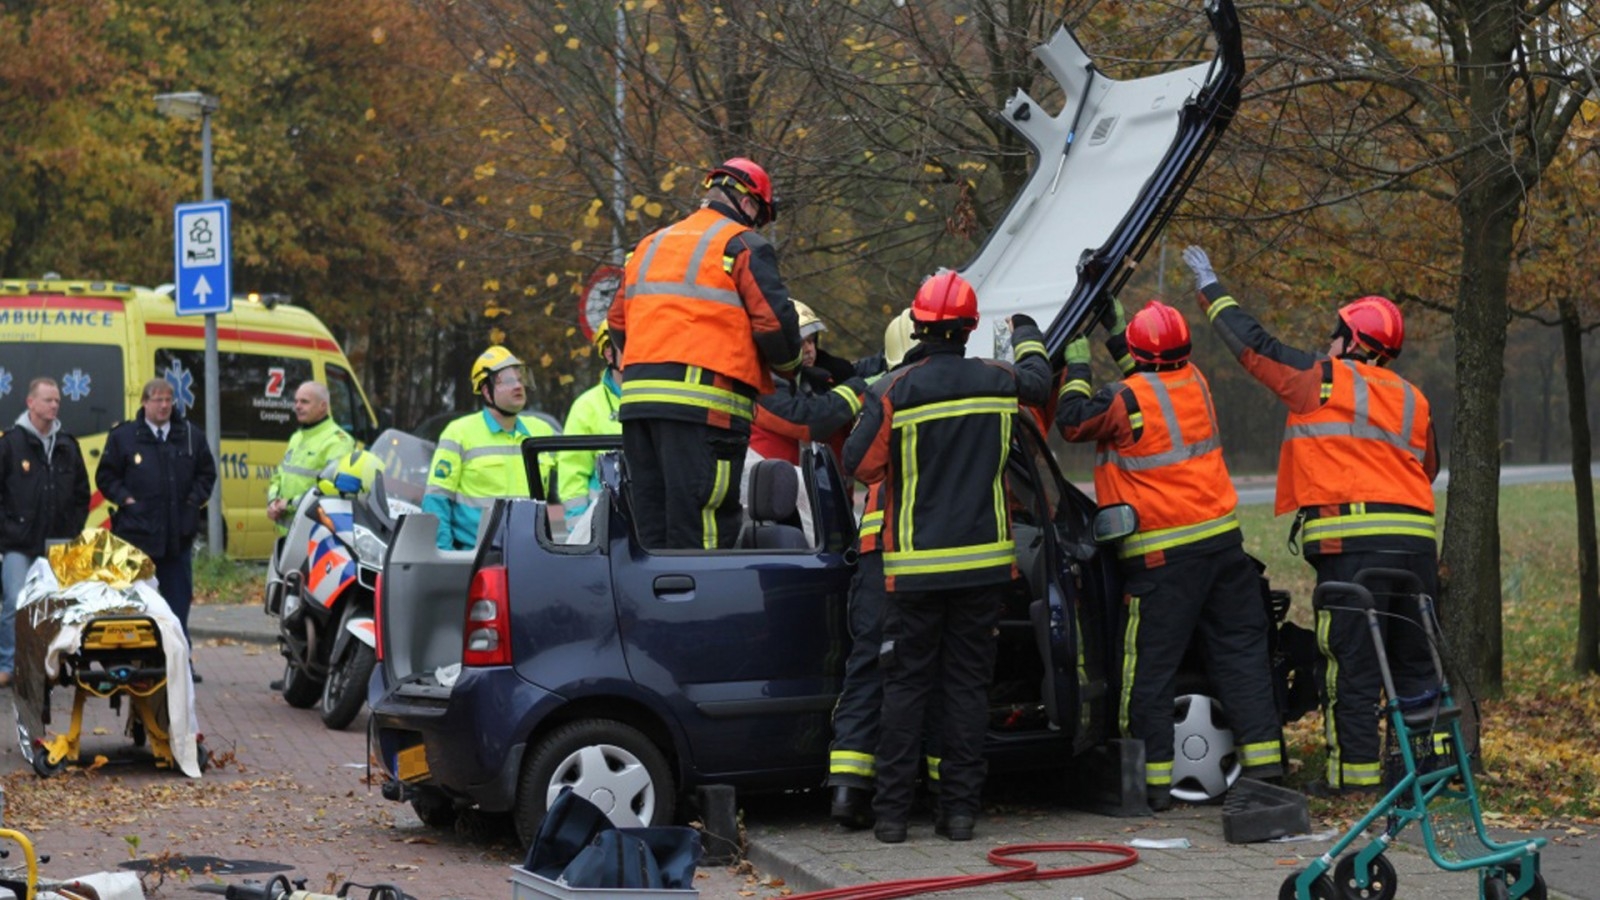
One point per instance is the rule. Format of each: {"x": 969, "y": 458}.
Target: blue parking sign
{"x": 202, "y": 258}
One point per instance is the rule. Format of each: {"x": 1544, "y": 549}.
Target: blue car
{"x": 537, "y": 661}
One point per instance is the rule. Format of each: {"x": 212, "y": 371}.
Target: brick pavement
{"x": 294, "y": 794}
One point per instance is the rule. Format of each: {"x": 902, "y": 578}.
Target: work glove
{"x": 1078, "y": 352}
{"x": 1020, "y": 319}
{"x": 1200, "y": 265}
{"x": 1115, "y": 318}
{"x": 841, "y": 370}
{"x": 820, "y": 380}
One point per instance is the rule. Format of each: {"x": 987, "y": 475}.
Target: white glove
{"x": 1200, "y": 265}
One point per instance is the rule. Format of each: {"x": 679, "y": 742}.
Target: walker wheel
{"x": 1536, "y": 891}
{"x": 1381, "y": 879}
{"x": 1321, "y": 889}
{"x": 1494, "y": 888}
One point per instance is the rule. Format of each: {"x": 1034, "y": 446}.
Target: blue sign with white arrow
{"x": 203, "y": 258}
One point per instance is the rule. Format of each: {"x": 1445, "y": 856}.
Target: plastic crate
{"x": 525, "y": 885}
{"x": 1257, "y": 811}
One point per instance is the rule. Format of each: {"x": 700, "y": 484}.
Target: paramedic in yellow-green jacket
{"x": 594, "y": 412}
{"x": 479, "y": 457}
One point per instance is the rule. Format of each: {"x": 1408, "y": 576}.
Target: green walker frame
{"x": 1441, "y": 796}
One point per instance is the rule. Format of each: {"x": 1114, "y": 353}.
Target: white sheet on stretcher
{"x": 92, "y": 599}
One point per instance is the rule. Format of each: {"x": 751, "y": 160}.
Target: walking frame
{"x": 1432, "y": 785}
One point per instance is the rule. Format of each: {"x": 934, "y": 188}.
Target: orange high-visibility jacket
{"x": 682, "y": 305}
{"x": 1367, "y": 443}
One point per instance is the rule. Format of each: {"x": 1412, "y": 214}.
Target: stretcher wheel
{"x": 1382, "y": 880}
{"x": 1321, "y": 889}
{"x": 42, "y": 765}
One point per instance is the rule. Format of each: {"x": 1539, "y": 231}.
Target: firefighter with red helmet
{"x": 1356, "y": 466}
{"x": 1185, "y": 569}
{"x": 933, "y": 435}
{"x": 702, "y": 322}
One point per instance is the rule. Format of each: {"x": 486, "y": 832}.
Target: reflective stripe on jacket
{"x": 310, "y": 448}
{"x": 937, "y": 433}
{"x": 1168, "y": 466}
{"x": 682, "y": 305}
{"x": 476, "y": 462}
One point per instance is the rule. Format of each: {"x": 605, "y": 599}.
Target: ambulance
{"x": 101, "y": 341}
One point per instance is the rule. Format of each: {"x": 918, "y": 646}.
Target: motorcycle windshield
{"x": 405, "y": 469}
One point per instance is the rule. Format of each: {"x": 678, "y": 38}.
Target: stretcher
{"x": 103, "y": 642}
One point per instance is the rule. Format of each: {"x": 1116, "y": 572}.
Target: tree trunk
{"x": 1587, "y": 658}
{"x": 1469, "y": 574}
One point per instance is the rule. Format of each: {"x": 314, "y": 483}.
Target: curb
{"x": 795, "y": 874}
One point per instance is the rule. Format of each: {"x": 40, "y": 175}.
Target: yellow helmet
{"x": 489, "y": 362}
{"x": 602, "y": 340}
{"x": 897, "y": 339}
{"x": 352, "y": 473}
{"x": 810, "y": 322}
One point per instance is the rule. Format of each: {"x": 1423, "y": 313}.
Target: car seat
{"x": 772, "y": 523}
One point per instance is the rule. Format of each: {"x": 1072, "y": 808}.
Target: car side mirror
{"x": 1113, "y": 523}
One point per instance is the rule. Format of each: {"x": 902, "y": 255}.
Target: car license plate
{"x": 411, "y": 764}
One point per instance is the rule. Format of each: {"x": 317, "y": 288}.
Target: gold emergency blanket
{"x": 98, "y": 554}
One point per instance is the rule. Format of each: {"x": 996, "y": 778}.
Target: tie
{"x": 161, "y": 435}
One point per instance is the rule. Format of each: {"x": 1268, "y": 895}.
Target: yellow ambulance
{"x": 101, "y": 342}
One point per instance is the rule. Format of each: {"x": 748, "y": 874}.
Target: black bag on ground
{"x": 579, "y": 847}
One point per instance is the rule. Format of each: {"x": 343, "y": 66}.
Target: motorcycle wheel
{"x": 300, "y": 690}
{"x": 346, "y": 688}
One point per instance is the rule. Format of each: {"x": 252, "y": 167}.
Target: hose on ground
{"x": 1014, "y": 869}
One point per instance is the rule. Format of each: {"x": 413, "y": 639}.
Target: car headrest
{"x": 774, "y": 489}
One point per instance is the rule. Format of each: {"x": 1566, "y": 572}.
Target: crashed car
{"x": 531, "y": 664}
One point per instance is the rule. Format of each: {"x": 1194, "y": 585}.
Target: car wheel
{"x": 612, "y": 765}
{"x": 346, "y": 688}
{"x": 433, "y": 808}
{"x": 1204, "y": 762}
{"x": 300, "y": 690}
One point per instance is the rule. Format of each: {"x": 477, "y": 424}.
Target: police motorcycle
{"x": 323, "y": 579}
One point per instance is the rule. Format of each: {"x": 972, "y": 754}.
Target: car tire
{"x": 434, "y": 808}
{"x": 1205, "y": 761}
{"x": 300, "y": 690}
{"x": 613, "y": 765}
{"x": 345, "y": 690}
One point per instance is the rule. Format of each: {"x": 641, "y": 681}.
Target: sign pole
{"x": 213, "y": 365}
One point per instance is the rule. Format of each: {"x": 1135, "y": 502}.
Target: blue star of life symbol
{"x": 182, "y": 381}
{"x": 5, "y": 381}
{"x": 75, "y": 384}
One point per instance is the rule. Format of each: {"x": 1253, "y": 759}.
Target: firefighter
{"x": 703, "y": 321}
{"x": 317, "y": 440}
{"x": 851, "y": 764}
{"x": 1185, "y": 569}
{"x": 1356, "y": 466}
{"x": 594, "y": 412}
{"x": 479, "y": 457}
{"x": 933, "y": 434}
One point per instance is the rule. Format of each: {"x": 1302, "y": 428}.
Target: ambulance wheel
{"x": 611, "y": 764}
{"x": 42, "y": 765}
{"x": 434, "y": 808}
{"x": 1381, "y": 879}
{"x": 300, "y": 690}
{"x": 1321, "y": 889}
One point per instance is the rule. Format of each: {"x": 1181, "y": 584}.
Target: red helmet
{"x": 1375, "y": 324}
{"x": 1158, "y": 335}
{"x": 946, "y": 297}
{"x": 746, "y": 177}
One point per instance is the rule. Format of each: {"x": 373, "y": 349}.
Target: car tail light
{"x": 488, "y": 631}
{"x": 377, "y": 615}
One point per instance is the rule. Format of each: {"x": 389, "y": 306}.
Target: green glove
{"x": 1078, "y": 352}
{"x": 1115, "y": 318}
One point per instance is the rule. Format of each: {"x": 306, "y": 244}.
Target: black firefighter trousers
{"x": 684, "y": 483}
{"x": 1220, "y": 594}
{"x": 937, "y": 643}
{"x": 1351, "y": 683}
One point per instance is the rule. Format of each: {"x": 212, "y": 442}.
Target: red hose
{"x": 1016, "y": 870}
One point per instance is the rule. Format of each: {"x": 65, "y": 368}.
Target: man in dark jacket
{"x": 159, "y": 472}
{"x": 44, "y": 495}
